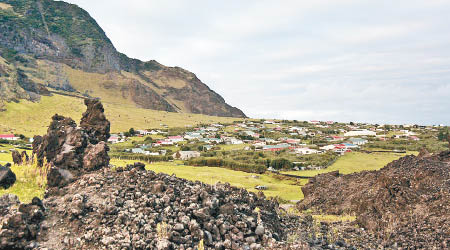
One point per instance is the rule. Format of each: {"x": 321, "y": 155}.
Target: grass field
{"x": 30, "y": 118}
{"x": 29, "y": 181}
{"x": 28, "y": 186}
{"x": 355, "y": 162}
{"x": 286, "y": 189}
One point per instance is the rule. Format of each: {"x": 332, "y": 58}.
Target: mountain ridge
{"x": 54, "y": 44}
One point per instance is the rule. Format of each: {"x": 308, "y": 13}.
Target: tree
{"x": 131, "y": 131}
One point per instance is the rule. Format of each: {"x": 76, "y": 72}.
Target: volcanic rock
{"x": 94, "y": 122}
{"x": 405, "y": 203}
{"x": 7, "y": 177}
{"x": 71, "y": 151}
{"x": 20, "y": 222}
{"x": 113, "y": 209}
{"x": 17, "y": 158}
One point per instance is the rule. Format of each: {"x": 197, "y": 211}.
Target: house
{"x": 358, "y": 141}
{"x": 305, "y": 151}
{"x": 235, "y": 141}
{"x": 186, "y": 155}
{"x": 114, "y": 139}
{"x": 9, "y": 137}
{"x": 293, "y": 141}
{"x": 143, "y": 132}
{"x": 296, "y": 129}
{"x": 315, "y": 122}
{"x": 335, "y": 138}
{"x": 261, "y": 187}
{"x": 175, "y": 139}
{"x": 349, "y": 145}
{"x": 360, "y": 132}
{"x": 192, "y": 136}
{"x": 328, "y": 147}
{"x": 163, "y": 142}
{"x": 138, "y": 151}
{"x": 276, "y": 147}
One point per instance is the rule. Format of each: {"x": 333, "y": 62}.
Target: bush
{"x": 140, "y": 157}
{"x": 230, "y": 164}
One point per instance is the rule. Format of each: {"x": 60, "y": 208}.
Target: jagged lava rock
{"x": 20, "y": 223}
{"x": 7, "y": 177}
{"x": 72, "y": 151}
{"x": 408, "y": 200}
{"x": 94, "y": 122}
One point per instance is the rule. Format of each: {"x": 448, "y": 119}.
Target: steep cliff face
{"x": 56, "y": 44}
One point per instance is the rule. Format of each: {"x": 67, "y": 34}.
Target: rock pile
{"x": 20, "y": 223}
{"x": 70, "y": 150}
{"x": 406, "y": 203}
{"x": 133, "y": 208}
{"x": 7, "y": 177}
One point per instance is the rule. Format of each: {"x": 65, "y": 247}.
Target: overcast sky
{"x": 370, "y": 61}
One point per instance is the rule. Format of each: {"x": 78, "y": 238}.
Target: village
{"x": 275, "y": 145}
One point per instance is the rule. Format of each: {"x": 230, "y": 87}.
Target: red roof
{"x": 7, "y": 136}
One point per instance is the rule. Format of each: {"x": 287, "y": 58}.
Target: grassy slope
{"x": 30, "y": 118}
{"x": 355, "y": 162}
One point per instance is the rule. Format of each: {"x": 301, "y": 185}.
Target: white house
{"x": 114, "y": 139}
{"x": 186, "y": 155}
{"x": 143, "y": 132}
{"x": 9, "y": 137}
{"x": 328, "y": 147}
{"x": 175, "y": 139}
{"x": 305, "y": 151}
{"x": 358, "y": 141}
{"x": 361, "y": 132}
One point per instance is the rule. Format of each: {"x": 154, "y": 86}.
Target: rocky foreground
{"x": 404, "y": 205}
{"x": 90, "y": 204}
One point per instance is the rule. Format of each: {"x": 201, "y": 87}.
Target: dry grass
{"x": 30, "y": 118}
{"x": 31, "y": 181}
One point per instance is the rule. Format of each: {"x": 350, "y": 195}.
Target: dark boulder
{"x": 25, "y": 157}
{"x": 17, "y": 158}
{"x": 7, "y": 177}
{"x": 94, "y": 122}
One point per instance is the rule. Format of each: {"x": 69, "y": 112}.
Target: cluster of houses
{"x": 313, "y": 137}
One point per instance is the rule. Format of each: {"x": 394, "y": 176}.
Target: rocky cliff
{"x": 47, "y": 44}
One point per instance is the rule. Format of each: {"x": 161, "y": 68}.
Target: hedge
{"x": 230, "y": 164}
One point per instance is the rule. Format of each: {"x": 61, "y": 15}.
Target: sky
{"x": 385, "y": 62}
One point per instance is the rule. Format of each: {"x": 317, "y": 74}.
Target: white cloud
{"x": 361, "y": 60}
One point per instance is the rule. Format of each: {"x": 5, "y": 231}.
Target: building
{"x": 138, "y": 151}
{"x": 305, "y": 151}
{"x": 276, "y": 147}
{"x": 114, "y": 139}
{"x": 9, "y": 137}
{"x": 358, "y": 141}
{"x": 186, "y": 155}
{"x": 361, "y": 132}
{"x": 175, "y": 139}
